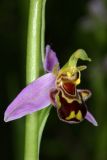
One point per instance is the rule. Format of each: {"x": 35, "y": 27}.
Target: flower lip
{"x": 73, "y": 112}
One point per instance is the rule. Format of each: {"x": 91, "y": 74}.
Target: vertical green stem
{"x": 34, "y": 40}
{"x": 43, "y": 30}
{"x": 34, "y": 46}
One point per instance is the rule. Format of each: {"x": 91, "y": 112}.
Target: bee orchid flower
{"x": 57, "y": 87}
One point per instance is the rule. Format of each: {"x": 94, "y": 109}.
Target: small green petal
{"x": 81, "y": 68}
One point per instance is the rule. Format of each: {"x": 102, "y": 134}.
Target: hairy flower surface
{"x": 57, "y": 87}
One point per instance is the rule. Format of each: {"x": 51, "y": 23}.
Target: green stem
{"x": 34, "y": 47}
{"x": 43, "y": 30}
{"x": 34, "y": 40}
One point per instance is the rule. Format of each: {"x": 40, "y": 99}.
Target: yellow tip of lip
{"x": 79, "y": 115}
{"x": 72, "y": 115}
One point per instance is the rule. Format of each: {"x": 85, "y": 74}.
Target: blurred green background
{"x": 70, "y": 24}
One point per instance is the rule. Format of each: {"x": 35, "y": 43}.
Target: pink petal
{"x": 50, "y": 60}
{"x": 32, "y": 98}
{"x": 89, "y": 117}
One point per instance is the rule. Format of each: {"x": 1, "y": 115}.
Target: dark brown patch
{"x": 66, "y": 108}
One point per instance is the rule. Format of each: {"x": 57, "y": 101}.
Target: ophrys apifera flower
{"x": 57, "y": 87}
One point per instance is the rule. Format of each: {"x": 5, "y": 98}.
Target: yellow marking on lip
{"x": 72, "y": 115}
{"x": 85, "y": 94}
{"x": 57, "y": 98}
{"x": 77, "y": 81}
{"x": 69, "y": 74}
{"x": 79, "y": 115}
